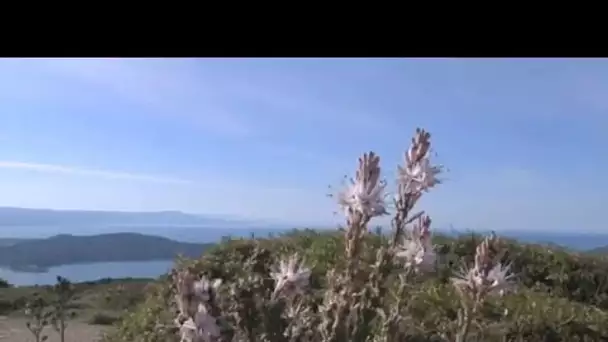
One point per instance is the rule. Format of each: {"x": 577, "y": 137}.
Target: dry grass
{"x": 108, "y": 296}
{"x": 13, "y": 329}
{"x": 95, "y": 305}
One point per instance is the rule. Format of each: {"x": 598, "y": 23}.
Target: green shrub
{"x": 4, "y": 284}
{"x": 101, "y": 318}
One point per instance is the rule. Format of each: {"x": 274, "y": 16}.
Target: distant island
{"x": 4, "y": 242}
{"x": 19, "y": 223}
{"x": 37, "y": 255}
{"x": 64, "y": 237}
{"x": 599, "y": 250}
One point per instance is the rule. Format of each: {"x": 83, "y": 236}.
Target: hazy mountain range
{"x": 22, "y": 217}
{"x": 39, "y": 254}
{"x": 179, "y": 226}
{"x": 38, "y": 223}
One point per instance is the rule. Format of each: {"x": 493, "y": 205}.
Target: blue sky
{"x": 524, "y": 140}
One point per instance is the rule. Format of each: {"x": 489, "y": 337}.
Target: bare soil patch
{"x": 13, "y": 329}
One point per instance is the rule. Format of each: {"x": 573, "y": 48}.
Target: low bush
{"x": 101, "y": 318}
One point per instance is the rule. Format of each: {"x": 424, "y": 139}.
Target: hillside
{"x": 599, "y": 250}
{"x": 560, "y": 296}
{"x": 69, "y": 249}
{"x": 11, "y": 241}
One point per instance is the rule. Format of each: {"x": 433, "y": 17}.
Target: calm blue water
{"x": 89, "y": 272}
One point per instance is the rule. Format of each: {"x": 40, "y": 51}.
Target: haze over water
{"x": 89, "y": 272}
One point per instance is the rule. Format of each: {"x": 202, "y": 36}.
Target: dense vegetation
{"x": 598, "y": 251}
{"x": 561, "y": 296}
{"x": 68, "y": 249}
{"x": 67, "y": 311}
{"x": 104, "y": 297}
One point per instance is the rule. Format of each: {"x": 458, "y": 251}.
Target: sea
{"x": 154, "y": 269}
{"x": 130, "y": 269}
{"x": 88, "y": 272}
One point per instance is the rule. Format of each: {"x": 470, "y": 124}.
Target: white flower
{"x": 207, "y": 328}
{"x": 497, "y": 281}
{"x": 500, "y": 278}
{"x": 188, "y": 331}
{"x": 480, "y": 279}
{"x": 203, "y": 328}
{"x": 365, "y": 193}
{"x": 203, "y": 288}
{"x": 418, "y": 255}
{"x": 192, "y": 291}
{"x": 360, "y": 197}
{"x": 420, "y": 176}
{"x": 185, "y": 293}
{"x": 417, "y": 249}
{"x": 467, "y": 280}
{"x": 290, "y": 277}
{"x": 192, "y": 296}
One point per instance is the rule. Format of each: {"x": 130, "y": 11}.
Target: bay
{"x": 89, "y": 272}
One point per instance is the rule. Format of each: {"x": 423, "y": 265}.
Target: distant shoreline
{"x": 91, "y": 272}
{"x": 38, "y": 256}
{"x": 46, "y": 269}
{"x": 27, "y": 268}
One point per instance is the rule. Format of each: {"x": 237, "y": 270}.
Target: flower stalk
{"x": 272, "y": 297}
{"x": 487, "y": 277}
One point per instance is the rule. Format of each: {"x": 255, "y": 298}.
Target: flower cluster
{"x": 419, "y": 174}
{"x": 416, "y": 176}
{"x": 361, "y": 301}
{"x": 365, "y": 194}
{"x": 364, "y": 198}
{"x": 290, "y": 277}
{"x": 487, "y": 276}
{"x": 417, "y": 249}
{"x": 193, "y": 297}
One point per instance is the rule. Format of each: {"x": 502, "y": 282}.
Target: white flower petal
{"x": 291, "y": 276}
